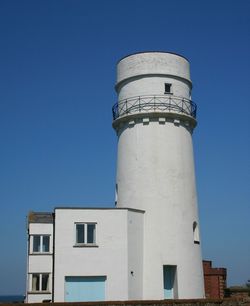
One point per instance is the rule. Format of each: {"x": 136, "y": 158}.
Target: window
{"x": 85, "y": 233}
{"x": 40, "y": 282}
{"x": 116, "y": 193}
{"x": 196, "y": 233}
{"x": 41, "y": 243}
{"x": 168, "y": 88}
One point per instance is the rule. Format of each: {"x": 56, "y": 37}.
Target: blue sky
{"x": 57, "y": 75}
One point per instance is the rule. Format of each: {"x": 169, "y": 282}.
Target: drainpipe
{"x": 53, "y": 258}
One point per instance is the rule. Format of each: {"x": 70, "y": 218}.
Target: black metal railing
{"x": 144, "y": 104}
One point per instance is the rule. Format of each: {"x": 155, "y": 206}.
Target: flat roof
{"x": 101, "y": 208}
{"x": 40, "y": 217}
{"x": 48, "y": 217}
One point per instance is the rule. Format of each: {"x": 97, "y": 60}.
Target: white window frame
{"x": 47, "y": 290}
{"x": 40, "y": 244}
{"x": 85, "y": 243}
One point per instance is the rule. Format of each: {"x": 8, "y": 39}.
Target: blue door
{"x": 84, "y": 288}
{"x": 168, "y": 281}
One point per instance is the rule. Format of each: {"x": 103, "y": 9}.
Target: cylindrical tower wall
{"x": 155, "y": 172}
{"x": 146, "y": 63}
{"x": 147, "y": 74}
{"x": 148, "y": 85}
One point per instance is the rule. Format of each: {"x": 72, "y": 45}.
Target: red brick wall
{"x": 215, "y": 280}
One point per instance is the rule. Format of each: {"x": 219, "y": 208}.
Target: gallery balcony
{"x": 154, "y": 104}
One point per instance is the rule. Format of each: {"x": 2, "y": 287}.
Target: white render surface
{"x": 153, "y": 63}
{"x": 37, "y": 298}
{"x": 146, "y": 73}
{"x": 111, "y": 256}
{"x": 39, "y": 262}
{"x": 135, "y": 224}
{"x": 155, "y": 173}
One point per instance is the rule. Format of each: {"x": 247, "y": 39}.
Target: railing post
{"x": 139, "y": 103}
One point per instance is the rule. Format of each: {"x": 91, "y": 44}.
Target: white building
{"x": 148, "y": 246}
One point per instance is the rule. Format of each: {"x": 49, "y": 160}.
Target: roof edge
{"x": 141, "y": 52}
{"x": 100, "y": 208}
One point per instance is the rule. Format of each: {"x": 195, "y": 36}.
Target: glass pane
{"x": 91, "y": 233}
{"x": 35, "y": 282}
{"x": 45, "y": 282}
{"x": 36, "y": 243}
{"x": 79, "y": 233}
{"x": 196, "y": 232}
{"x": 167, "y": 87}
{"x": 45, "y": 245}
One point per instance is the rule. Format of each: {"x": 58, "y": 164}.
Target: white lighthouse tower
{"x": 154, "y": 120}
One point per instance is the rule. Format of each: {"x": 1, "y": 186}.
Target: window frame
{"x": 85, "y": 242}
{"x": 40, "y": 247}
{"x": 40, "y": 282}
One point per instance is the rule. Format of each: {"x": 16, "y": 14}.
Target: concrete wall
{"x": 155, "y": 172}
{"x": 153, "y": 86}
{"x": 135, "y": 255}
{"x": 39, "y": 262}
{"x": 153, "y": 63}
{"x": 109, "y": 258}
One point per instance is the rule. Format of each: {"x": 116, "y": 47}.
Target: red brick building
{"x": 215, "y": 280}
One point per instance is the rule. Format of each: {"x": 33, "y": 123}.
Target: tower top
{"x": 154, "y": 84}
{"x": 153, "y": 63}
{"x": 151, "y": 51}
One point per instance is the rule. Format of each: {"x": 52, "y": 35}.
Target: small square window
{"x": 39, "y": 282}
{"x": 41, "y": 243}
{"x": 168, "y": 87}
{"x": 85, "y": 233}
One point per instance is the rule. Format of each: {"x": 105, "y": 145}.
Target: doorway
{"x": 169, "y": 282}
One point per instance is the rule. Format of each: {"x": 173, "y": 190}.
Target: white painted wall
{"x": 39, "y": 262}
{"x": 38, "y": 298}
{"x": 153, "y": 86}
{"x": 155, "y": 173}
{"x": 135, "y": 223}
{"x": 109, "y": 258}
{"x": 148, "y": 63}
